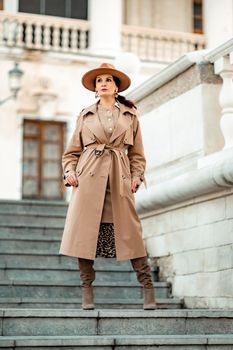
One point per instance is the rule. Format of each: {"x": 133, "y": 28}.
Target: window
{"x": 197, "y": 17}
{"x": 42, "y": 150}
{"x": 61, "y": 8}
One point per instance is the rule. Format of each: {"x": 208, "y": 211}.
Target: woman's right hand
{"x": 72, "y": 180}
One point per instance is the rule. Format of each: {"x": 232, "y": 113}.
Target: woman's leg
{"x": 87, "y": 276}
{"x": 143, "y": 271}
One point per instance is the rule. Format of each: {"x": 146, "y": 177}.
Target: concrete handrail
{"x": 210, "y": 179}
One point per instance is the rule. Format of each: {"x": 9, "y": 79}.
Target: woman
{"x": 105, "y": 163}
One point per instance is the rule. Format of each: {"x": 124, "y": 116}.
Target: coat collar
{"x": 96, "y": 128}
{"x": 123, "y": 109}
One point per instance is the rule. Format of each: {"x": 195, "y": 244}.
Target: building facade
{"x": 54, "y": 46}
{"x": 163, "y": 45}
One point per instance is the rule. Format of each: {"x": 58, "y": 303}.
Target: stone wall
{"x": 180, "y": 122}
{"x": 193, "y": 245}
{"x": 187, "y": 208}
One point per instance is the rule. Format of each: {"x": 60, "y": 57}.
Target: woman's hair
{"x": 125, "y": 102}
{"x": 121, "y": 98}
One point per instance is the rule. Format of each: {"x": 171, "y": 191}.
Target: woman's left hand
{"x": 135, "y": 185}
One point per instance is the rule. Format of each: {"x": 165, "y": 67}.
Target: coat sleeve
{"x": 73, "y": 151}
{"x": 136, "y": 154}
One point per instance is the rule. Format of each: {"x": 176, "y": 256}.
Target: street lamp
{"x": 15, "y": 75}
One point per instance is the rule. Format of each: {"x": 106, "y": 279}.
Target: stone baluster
{"x": 223, "y": 67}
{"x": 19, "y": 34}
{"x": 135, "y": 43}
{"x": 28, "y": 34}
{"x": 168, "y": 51}
{"x": 149, "y": 44}
{"x": 47, "y": 37}
{"x": 38, "y": 35}
{"x": 56, "y": 37}
{"x": 82, "y": 39}
{"x": 65, "y": 39}
{"x": 124, "y": 41}
{"x": 9, "y": 32}
{"x": 144, "y": 50}
{"x": 74, "y": 39}
{"x": 1, "y": 30}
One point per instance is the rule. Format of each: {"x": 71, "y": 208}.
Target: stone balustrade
{"x": 222, "y": 58}
{"x": 212, "y": 155}
{"x": 43, "y": 32}
{"x": 70, "y": 35}
{"x": 162, "y": 45}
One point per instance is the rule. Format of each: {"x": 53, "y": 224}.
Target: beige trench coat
{"x": 93, "y": 158}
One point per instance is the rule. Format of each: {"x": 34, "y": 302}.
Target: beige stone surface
{"x": 193, "y": 246}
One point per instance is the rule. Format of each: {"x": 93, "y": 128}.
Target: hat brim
{"x": 88, "y": 80}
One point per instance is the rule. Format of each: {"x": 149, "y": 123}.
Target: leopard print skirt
{"x": 106, "y": 241}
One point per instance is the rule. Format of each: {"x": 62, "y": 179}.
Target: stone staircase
{"x": 40, "y": 296}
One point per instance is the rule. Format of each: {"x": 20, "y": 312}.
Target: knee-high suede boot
{"x": 143, "y": 271}
{"x": 87, "y": 276}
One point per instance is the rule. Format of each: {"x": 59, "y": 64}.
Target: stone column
{"x": 106, "y": 21}
{"x": 223, "y": 67}
{"x": 218, "y": 19}
{"x": 11, "y": 6}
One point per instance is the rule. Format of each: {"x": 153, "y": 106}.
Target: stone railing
{"x": 187, "y": 208}
{"x": 69, "y": 35}
{"x": 43, "y": 32}
{"x": 160, "y": 45}
{"x": 222, "y": 58}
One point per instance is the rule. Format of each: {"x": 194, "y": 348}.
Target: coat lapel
{"x": 93, "y": 123}
{"x": 123, "y": 122}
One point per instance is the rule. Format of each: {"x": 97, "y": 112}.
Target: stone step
{"x": 33, "y": 206}
{"x": 29, "y": 246}
{"x": 33, "y": 220}
{"x": 75, "y": 303}
{"x": 72, "y": 289}
{"x": 27, "y": 243}
{"x": 31, "y": 231}
{"x": 61, "y": 261}
{"x": 40, "y": 260}
{"x": 164, "y": 342}
{"x": 48, "y": 322}
{"x": 27, "y": 268}
{"x": 30, "y": 236}
{"x": 60, "y": 273}
{"x": 41, "y": 244}
{"x": 14, "y": 236}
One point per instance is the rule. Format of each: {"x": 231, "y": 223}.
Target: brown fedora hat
{"x": 88, "y": 80}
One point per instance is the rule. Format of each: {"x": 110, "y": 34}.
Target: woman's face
{"x": 105, "y": 85}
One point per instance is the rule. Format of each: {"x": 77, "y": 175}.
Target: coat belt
{"x": 99, "y": 150}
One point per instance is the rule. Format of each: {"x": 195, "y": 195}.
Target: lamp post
{"x": 15, "y": 76}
